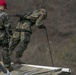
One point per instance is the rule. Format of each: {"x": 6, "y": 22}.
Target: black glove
{"x": 42, "y": 27}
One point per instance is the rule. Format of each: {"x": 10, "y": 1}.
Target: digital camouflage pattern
{"x": 23, "y": 30}
{"x": 5, "y": 33}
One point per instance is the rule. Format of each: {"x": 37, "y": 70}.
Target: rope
{"x": 49, "y": 47}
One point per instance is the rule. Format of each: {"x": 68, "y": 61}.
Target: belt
{"x": 23, "y": 30}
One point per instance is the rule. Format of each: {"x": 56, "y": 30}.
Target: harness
{"x": 22, "y": 30}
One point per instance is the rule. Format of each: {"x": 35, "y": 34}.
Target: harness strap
{"x": 22, "y": 30}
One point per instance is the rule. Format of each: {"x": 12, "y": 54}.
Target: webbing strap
{"x": 22, "y": 30}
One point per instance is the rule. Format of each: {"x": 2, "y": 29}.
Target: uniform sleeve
{"x": 7, "y": 25}
{"x": 39, "y": 21}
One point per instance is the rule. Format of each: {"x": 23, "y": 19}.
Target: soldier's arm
{"x": 39, "y": 22}
{"x": 7, "y": 25}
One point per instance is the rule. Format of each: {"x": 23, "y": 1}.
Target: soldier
{"x": 23, "y": 32}
{"x": 5, "y": 34}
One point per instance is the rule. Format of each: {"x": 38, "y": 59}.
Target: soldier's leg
{"x": 14, "y": 41}
{"x": 25, "y": 38}
{"x": 5, "y": 54}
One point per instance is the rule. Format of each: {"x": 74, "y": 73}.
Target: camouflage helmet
{"x": 44, "y": 13}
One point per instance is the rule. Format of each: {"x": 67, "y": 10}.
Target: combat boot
{"x": 9, "y": 69}
{"x": 18, "y": 61}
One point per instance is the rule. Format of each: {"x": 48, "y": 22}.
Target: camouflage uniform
{"x": 5, "y": 32}
{"x": 23, "y": 30}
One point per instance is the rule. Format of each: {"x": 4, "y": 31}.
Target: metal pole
{"x": 49, "y": 46}
{"x": 2, "y": 68}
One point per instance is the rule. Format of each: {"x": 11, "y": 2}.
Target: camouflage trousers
{"x": 4, "y": 43}
{"x": 21, "y": 39}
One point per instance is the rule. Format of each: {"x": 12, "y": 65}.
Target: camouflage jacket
{"x": 34, "y": 18}
{"x": 5, "y": 25}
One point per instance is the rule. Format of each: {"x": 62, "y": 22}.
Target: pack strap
{"x": 22, "y": 30}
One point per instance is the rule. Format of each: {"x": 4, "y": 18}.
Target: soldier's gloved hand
{"x": 42, "y": 27}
